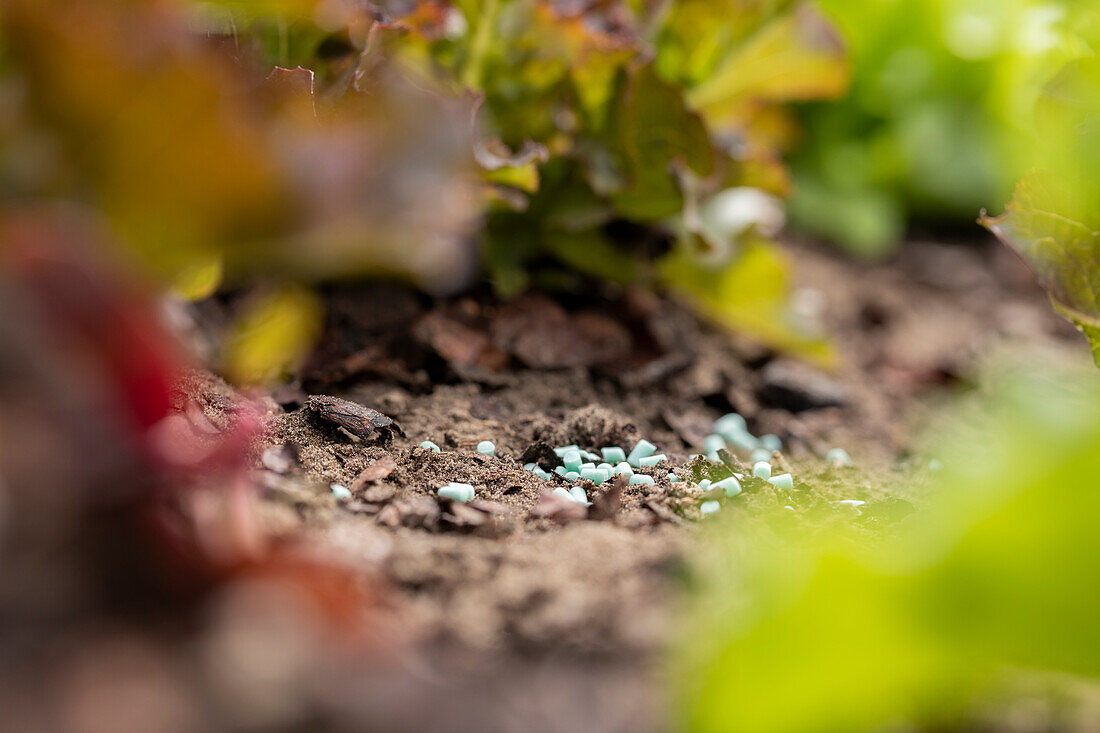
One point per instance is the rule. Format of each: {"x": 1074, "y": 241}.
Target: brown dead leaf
{"x": 607, "y": 503}
{"x": 357, "y": 419}
{"x": 542, "y": 335}
{"x": 459, "y": 344}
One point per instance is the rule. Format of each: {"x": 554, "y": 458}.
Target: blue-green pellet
{"x": 640, "y": 478}
{"x": 730, "y": 485}
{"x": 613, "y": 454}
{"x": 771, "y": 442}
{"x": 838, "y": 457}
{"x": 606, "y": 467}
{"x": 709, "y": 507}
{"x": 340, "y": 492}
{"x": 540, "y": 472}
{"x": 486, "y": 448}
{"x": 577, "y": 492}
{"x": 590, "y": 456}
{"x": 429, "y": 445}
{"x": 572, "y": 459}
{"x": 560, "y": 470}
{"x": 623, "y": 468}
{"x": 583, "y": 466}
{"x": 762, "y": 469}
{"x": 704, "y": 484}
{"x": 673, "y": 478}
{"x": 744, "y": 441}
{"x": 713, "y": 456}
{"x": 596, "y": 475}
{"x": 782, "y": 481}
{"x": 730, "y": 424}
{"x": 572, "y": 476}
{"x": 761, "y": 454}
{"x": 529, "y": 466}
{"x": 563, "y": 493}
{"x": 713, "y": 443}
{"x": 563, "y": 449}
{"x": 652, "y": 460}
{"x": 641, "y": 449}
{"x": 457, "y": 492}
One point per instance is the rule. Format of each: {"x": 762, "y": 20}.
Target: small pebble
{"x": 652, "y": 460}
{"x": 771, "y": 442}
{"x": 762, "y": 469}
{"x": 782, "y": 481}
{"x": 729, "y": 485}
{"x": 613, "y": 454}
{"x": 429, "y": 445}
{"x": 709, "y": 507}
{"x": 457, "y": 492}
{"x": 640, "y": 478}
{"x": 340, "y": 492}
{"x": 486, "y": 448}
{"x": 838, "y": 457}
{"x": 577, "y": 492}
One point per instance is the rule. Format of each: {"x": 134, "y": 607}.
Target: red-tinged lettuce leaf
{"x": 1063, "y": 251}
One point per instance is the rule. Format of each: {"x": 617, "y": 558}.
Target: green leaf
{"x": 797, "y": 56}
{"x": 748, "y": 296}
{"x": 799, "y": 631}
{"x": 1063, "y": 252}
{"x": 658, "y": 132}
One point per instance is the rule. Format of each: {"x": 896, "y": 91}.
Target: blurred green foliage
{"x": 801, "y": 629}
{"x": 314, "y": 139}
{"x": 939, "y": 122}
{"x": 1053, "y": 220}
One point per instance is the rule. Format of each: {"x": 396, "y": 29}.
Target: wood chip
{"x": 360, "y": 421}
{"x": 382, "y": 467}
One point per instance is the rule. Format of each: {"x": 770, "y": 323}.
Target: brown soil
{"x": 512, "y": 618}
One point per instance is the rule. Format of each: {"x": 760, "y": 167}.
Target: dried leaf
{"x": 358, "y": 420}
